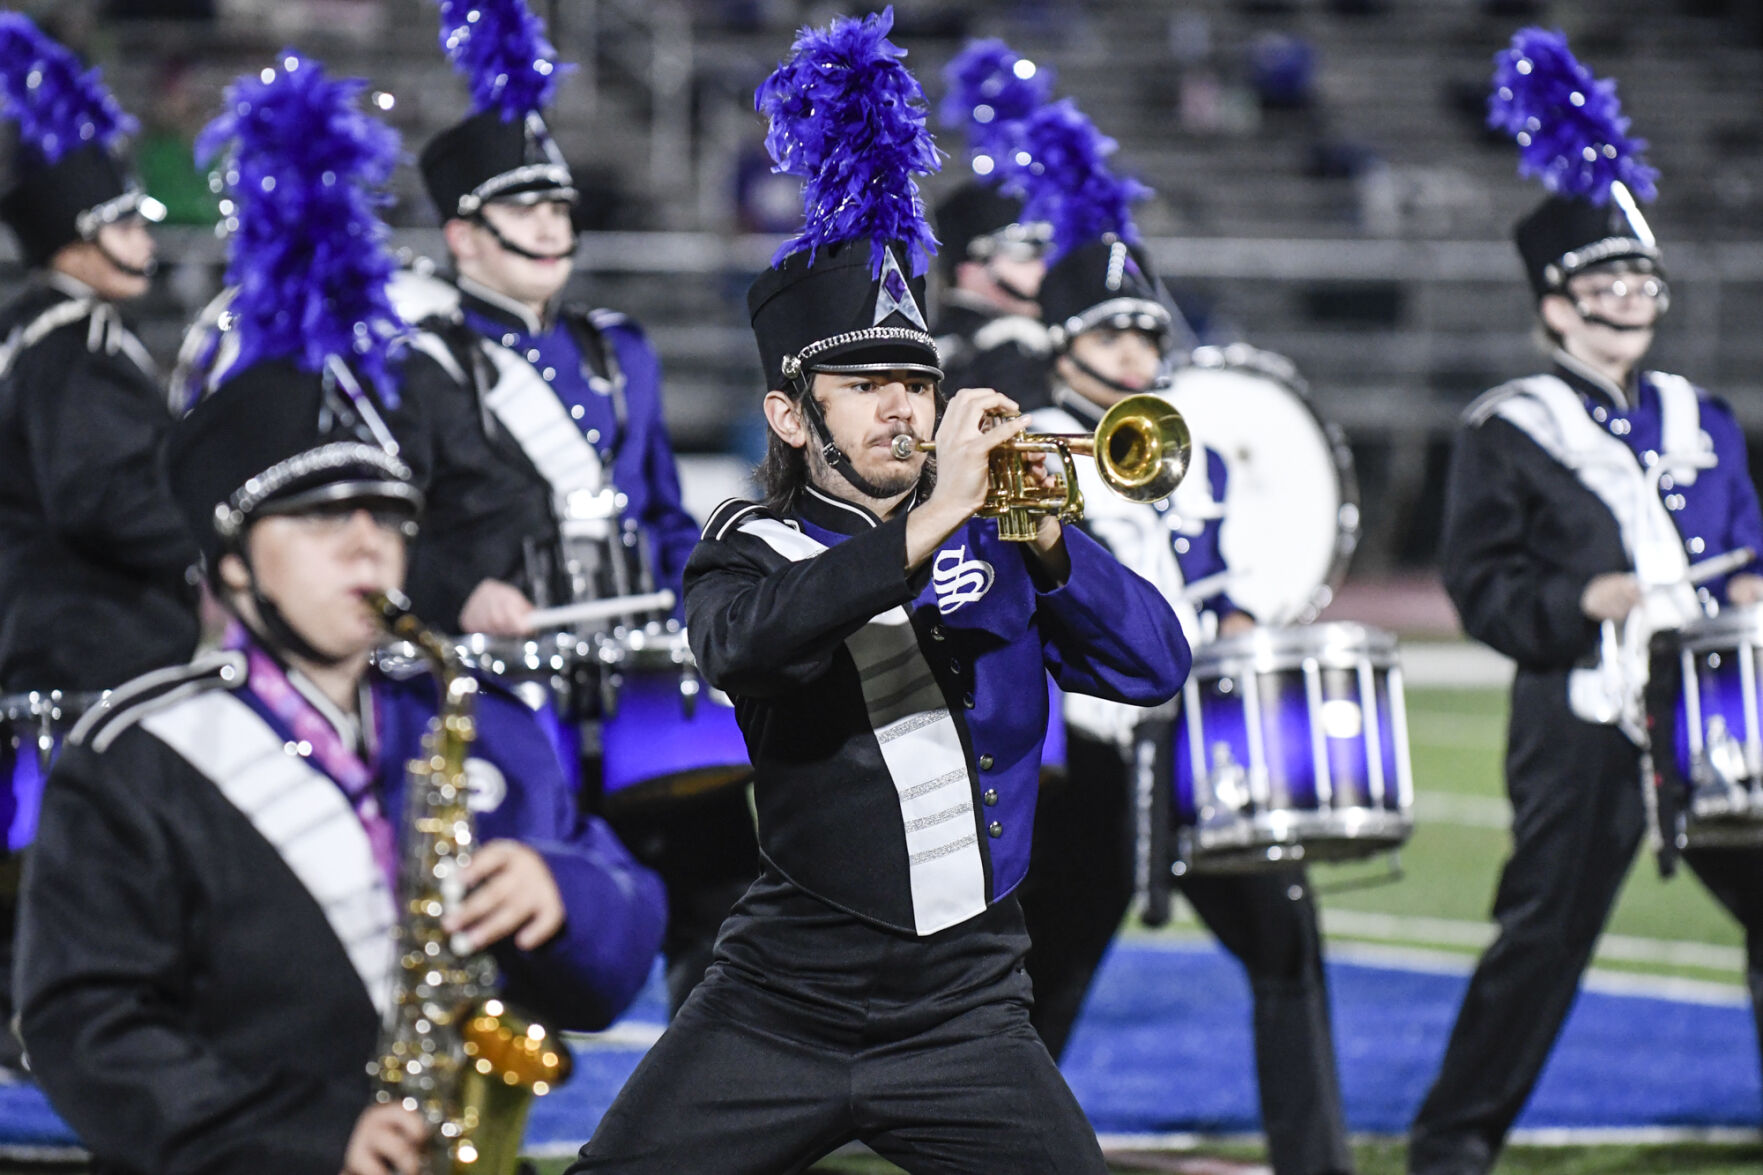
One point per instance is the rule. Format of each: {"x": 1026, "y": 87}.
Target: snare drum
{"x": 1292, "y": 746}
{"x": 553, "y": 673}
{"x": 32, "y": 728}
{"x": 669, "y": 737}
{"x": 1293, "y": 516}
{"x": 1707, "y": 730}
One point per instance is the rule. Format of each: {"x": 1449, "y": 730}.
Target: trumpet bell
{"x": 1142, "y": 448}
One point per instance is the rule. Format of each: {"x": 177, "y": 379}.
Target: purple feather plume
{"x": 991, "y": 91}
{"x": 500, "y": 47}
{"x": 304, "y": 170}
{"x": 1568, "y": 123}
{"x": 1068, "y": 183}
{"x": 848, "y": 118}
{"x": 58, "y": 105}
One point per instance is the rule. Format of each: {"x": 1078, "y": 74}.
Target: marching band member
{"x": 988, "y": 326}
{"x": 93, "y": 554}
{"x": 1112, "y": 328}
{"x": 205, "y": 944}
{"x": 530, "y": 403}
{"x": 886, "y": 651}
{"x": 548, "y": 398}
{"x": 1576, "y": 496}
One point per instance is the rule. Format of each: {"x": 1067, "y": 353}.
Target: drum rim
{"x": 1276, "y": 648}
{"x": 1348, "y": 516}
{"x": 34, "y": 705}
{"x": 1710, "y": 634}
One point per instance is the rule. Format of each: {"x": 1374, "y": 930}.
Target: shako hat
{"x": 503, "y": 150}
{"x": 69, "y": 179}
{"x": 1573, "y": 138}
{"x": 847, "y": 293}
{"x": 294, "y": 418}
{"x": 1098, "y": 273}
{"x": 991, "y": 91}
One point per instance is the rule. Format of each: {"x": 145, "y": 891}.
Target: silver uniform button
{"x": 549, "y": 374}
{"x": 995, "y": 829}
{"x": 967, "y": 700}
{"x": 532, "y": 355}
{"x": 575, "y": 411}
{"x": 1599, "y": 415}
{"x": 594, "y": 438}
{"x": 508, "y": 340}
{"x": 1696, "y": 546}
{"x": 990, "y": 797}
{"x": 985, "y": 762}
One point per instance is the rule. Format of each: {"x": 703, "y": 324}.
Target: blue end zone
{"x": 1164, "y": 1046}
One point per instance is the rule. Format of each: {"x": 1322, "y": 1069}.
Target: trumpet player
{"x": 206, "y": 949}
{"x": 887, "y": 653}
{"x": 1112, "y": 329}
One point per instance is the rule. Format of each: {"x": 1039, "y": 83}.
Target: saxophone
{"x": 449, "y": 1049}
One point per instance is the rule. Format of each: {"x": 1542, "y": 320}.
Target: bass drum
{"x": 1293, "y": 503}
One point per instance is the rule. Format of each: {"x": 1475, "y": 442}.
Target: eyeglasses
{"x": 1618, "y": 290}
{"x": 333, "y": 518}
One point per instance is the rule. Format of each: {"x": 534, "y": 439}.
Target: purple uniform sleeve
{"x": 1107, "y": 632}
{"x": 615, "y": 909}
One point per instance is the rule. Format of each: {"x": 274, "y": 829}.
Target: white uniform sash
{"x": 1551, "y": 413}
{"x": 301, "y": 813}
{"x": 534, "y": 416}
{"x": 921, "y": 747}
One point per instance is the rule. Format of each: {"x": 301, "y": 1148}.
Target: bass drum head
{"x": 1292, "y": 506}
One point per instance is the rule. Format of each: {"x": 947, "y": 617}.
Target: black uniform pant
{"x": 1577, "y": 818}
{"x": 813, "y": 1030}
{"x": 1078, "y": 890}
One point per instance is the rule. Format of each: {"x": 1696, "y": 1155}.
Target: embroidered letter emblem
{"x": 959, "y": 580}
{"x": 488, "y": 785}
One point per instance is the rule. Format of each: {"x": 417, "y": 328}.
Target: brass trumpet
{"x": 1141, "y": 449}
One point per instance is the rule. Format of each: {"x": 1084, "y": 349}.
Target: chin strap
{"x": 122, "y": 266}
{"x": 1112, "y": 385}
{"x": 483, "y": 222}
{"x": 1009, "y": 287}
{"x": 829, "y": 450}
{"x": 278, "y": 634}
{"x": 1587, "y": 315}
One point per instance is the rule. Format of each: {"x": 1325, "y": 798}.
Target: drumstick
{"x": 1718, "y": 565}
{"x": 540, "y": 619}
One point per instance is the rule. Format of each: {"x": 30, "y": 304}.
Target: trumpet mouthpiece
{"x": 904, "y": 446}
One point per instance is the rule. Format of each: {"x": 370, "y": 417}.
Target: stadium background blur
{"x": 1325, "y": 189}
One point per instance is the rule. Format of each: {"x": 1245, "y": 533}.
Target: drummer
{"x": 504, "y": 349}
{"x": 1540, "y": 547}
{"x": 1112, "y": 329}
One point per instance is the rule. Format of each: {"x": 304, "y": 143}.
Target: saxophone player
{"x": 206, "y": 944}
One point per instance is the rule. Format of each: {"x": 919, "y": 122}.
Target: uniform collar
{"x": 67, "y": 284}
{"x": 822, "y": 509}
{"x": 480, "y": 299}
{"x": 1587, "y": 382}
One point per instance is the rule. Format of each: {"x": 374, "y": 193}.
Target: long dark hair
{"x": 782, "y": 474}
